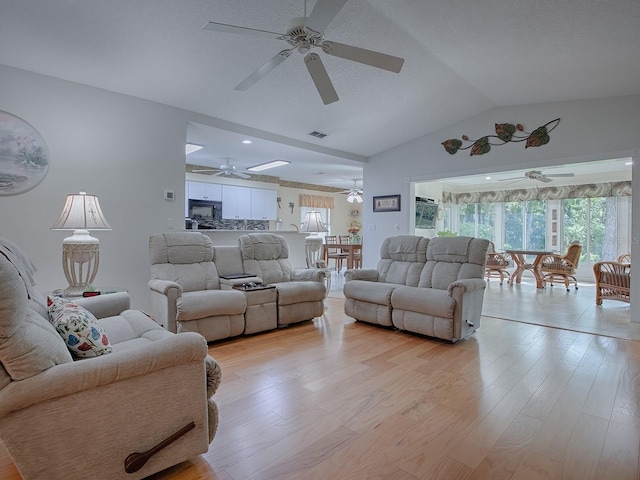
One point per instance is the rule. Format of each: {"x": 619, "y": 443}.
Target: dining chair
{"x": 561, "y": 267}
{"x": 335, "y": 253}
{"x": 496, "y": 264}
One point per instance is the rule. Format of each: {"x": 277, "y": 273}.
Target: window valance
{"x": 316, "y": 201}
{"x": 592, "y": 190}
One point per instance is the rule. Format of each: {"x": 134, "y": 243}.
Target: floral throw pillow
{"x": 80, "y": 330}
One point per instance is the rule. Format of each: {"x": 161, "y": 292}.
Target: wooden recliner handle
{"x": 136, "y": 461}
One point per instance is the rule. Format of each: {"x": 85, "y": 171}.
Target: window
{"x": 477, "y": 220}
{"x": 593, "y": 223}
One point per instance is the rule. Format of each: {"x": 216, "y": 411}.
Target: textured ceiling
{"x": 461, "y": 58}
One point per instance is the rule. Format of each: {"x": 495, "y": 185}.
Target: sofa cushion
{"x": 266, "y": 255}
{"x": 401, "y": 259}
{"x": 182, "y": 247}
{"x": 431, "y": 301}
{"x": 79, "y": 329}
{"x": 208, "y": 303}
{"x": 298, "y": 292}
{"x": 370, "y": 292}
{"x": 28, "y": 342}
{"x": 453, "y": 258}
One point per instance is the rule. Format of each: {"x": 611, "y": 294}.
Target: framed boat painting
{"x": 24, "y": 156}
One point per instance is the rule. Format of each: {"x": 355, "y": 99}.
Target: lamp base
{"x": 80, "y": 259}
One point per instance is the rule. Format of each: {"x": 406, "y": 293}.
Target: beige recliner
{"x": 186, "y": 294}
{"x": 62, "y": 418}
{"x": 301, "y": 291}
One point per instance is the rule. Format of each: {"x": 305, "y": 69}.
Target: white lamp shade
{"x": 313, "y": 223}
{"x": 81, "y": 211}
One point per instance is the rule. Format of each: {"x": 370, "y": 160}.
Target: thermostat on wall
{"x": 169, "y": 195}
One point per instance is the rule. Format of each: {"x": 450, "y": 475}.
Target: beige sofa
{"x": 433, "y": 287}
{"x": 62, "y": 418}
{"x": 189, "y": 291}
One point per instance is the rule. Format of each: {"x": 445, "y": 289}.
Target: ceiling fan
{"x": 538, "y": 175}
{"x": 304, "y": 34}
{"x": 225, "y": 169}
{"x": 355, "y": 193}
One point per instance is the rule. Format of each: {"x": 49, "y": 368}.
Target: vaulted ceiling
{"x": 461, "y": 58}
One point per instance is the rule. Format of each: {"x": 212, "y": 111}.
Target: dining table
{"x": 527, "y": 260}
{"x": 350, "y": 248}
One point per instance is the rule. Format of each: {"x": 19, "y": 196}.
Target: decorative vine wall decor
{"x": 505, "y": 133}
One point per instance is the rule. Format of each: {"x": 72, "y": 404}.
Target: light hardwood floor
{"x": 334, "y": 399}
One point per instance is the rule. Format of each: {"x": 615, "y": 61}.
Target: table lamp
{"x": 313, "y": 224}
{"x": 80, "y": 251}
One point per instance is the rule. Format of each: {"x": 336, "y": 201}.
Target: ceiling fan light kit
{"x": 354, "y": 194}
{"x": 303, "y": 35}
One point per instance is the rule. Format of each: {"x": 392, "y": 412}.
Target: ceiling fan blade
{"x": 559, "y": 175}
{"x": 543, "y": 179}
{"x": 320, "y": 78}
{"x": 263, "y": 71}
{"x": 221, "y": 172}
{"x": 240, "y": 174}
{"x": 362, "y": 55}
{"x": 323, "y": 12}
{"x": 223, "y": 27}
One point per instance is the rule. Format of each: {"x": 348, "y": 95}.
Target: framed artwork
{"x": 321, "y": 264}
{"x": 554, "y": 227}
{"x": 24, "y": 156}
{"x": 554, "y": 214}
{"x": 387, "y": 203}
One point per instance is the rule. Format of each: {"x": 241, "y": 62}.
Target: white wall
{"x": 125, "y": 150}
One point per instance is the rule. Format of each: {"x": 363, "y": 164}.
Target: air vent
{"x": 317, "y": 134}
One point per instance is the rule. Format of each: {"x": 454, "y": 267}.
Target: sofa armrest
{"x": 467, "y": 313}
{"x": 368, "y": 274}
{"x": 108, "y": 305}
{"x": 80, "y": 375}
{"x": 163, "y": 286}
{"x": 467, "y": 285}
{"x": 164, "y": 295}
{"x": 308, "y": 274}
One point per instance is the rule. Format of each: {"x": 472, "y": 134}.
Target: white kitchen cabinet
{"x": 264, "y": 204}
{"x": 236, "y": 202}
{"x": 204, "y": 191}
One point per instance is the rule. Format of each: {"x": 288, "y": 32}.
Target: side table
{"x": 262, "y": 311}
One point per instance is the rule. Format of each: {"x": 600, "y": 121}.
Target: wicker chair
{"x": 496, "y": 264}
{"x": 624, "y": 258}
{"x": 613, "y": 281}
{"x": 561, "y": 267}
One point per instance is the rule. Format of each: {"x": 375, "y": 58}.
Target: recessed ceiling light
{"x": 192, "y": 147}
{"x": 628, "y": 163}
{"x": 265, "y": 166}
{"x": 246, "y": 142}
{"x": 487, "y": 178}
